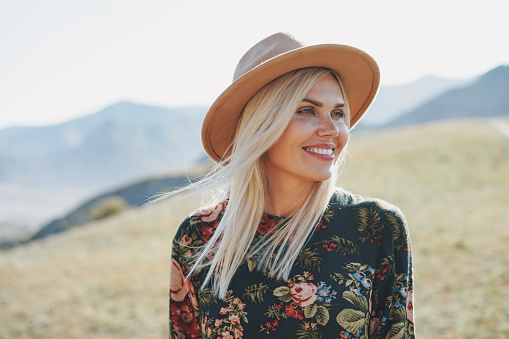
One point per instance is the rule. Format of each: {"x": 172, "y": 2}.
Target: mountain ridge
{"x": 392, "y": 101}
{"x": 487, "y": 96}
{"x": 124, "y": 134}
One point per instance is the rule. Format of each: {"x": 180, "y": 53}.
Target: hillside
{"x": 110, "y": 278}
{"x": 137, "y": 194}
{"x": 487, "y": 96}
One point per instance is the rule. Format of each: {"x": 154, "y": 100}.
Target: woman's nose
{"x": 328, "y": 127}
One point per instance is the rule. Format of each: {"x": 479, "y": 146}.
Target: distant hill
{"x": 123, "y": 142}
{"x": 392, "y": 101}
{"x": 136, "y": 194}
{"x": 487, "y": 96}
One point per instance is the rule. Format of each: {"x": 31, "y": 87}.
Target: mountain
{"x": 47, "y": 171}
{"x": 121, "y": 143}
{"x": 392, "y": 101}
{"x": 487, "y": 96}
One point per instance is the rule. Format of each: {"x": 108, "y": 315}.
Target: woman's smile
{"x": 321, "y": 151}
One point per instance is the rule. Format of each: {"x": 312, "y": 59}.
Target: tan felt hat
{"x": 272, "y": 57}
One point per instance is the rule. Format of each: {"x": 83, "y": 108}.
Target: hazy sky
{"x": 60, "y": 59}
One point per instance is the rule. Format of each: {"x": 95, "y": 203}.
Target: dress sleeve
{"x": 184, "y": 306}
{"x": 394, "y": 313}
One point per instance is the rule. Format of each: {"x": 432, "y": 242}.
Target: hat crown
{"x": 264, "y": 50}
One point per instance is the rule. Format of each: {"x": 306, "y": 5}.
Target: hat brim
{"x": 358, "y": 72}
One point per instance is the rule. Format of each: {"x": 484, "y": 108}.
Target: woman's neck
{"x": 285, "y": 200}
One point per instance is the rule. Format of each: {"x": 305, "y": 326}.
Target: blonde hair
{"x": 241, "y": 178}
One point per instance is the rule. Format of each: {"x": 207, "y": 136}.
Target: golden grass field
{"x": 451, "y": 180}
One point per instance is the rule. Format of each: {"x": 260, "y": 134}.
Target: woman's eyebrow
{"x": 319, "y": 104}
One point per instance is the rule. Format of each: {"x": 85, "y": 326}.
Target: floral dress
{"x": 353, "y": 279}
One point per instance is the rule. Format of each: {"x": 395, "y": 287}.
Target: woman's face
{"x": 313, "y": 140}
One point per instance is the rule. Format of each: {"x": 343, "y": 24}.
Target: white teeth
{"x": 323, "y": 151}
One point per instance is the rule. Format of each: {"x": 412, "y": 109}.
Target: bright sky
{"x": 62, "y": 59}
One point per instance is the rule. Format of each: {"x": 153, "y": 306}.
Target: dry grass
{"x": 110, "y": 279}
{"x": 106, "y": 280}
{"x": 452, "y": 183}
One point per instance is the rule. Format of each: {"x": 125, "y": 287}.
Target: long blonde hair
{"x": 241, "y": 178}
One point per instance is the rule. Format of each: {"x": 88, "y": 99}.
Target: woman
{"x": 282, "y": 252}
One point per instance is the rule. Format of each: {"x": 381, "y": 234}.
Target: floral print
{"x": 303, "y": 293}
{"x": 229, "y": 324}
{"x": 184, "y": 321}
{"x": 266, "y": 225}
{"x": 179, "y": 287}
{"x": 353, "y": 279}
{"x": 325, "y": 293}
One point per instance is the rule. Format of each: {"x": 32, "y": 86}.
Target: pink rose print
{"x": 179, "y": 287}
{"x": 210, "y": 214}
{"x": 226, "y": 335}
{"x": 234, "y": 319}
{"x": 303, "y": 293}
{"x": 239, "y": 303}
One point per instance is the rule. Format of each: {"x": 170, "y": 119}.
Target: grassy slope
{"x": 452, "y": 183}
{"x": 109, "y": 279}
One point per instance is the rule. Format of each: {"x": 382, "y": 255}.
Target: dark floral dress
{"x": 353, "y": 279}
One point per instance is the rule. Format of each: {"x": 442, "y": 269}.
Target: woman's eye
{"x": 305, "y": 111}
{"x": 338, "y": 114}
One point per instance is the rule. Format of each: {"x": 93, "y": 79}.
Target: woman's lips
{"x": 321, "y": 151}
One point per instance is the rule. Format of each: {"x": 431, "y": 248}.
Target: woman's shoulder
{"x": 343, "y": 198}
{"x": 373, "y": 219}
{"x": 202, "y": 223}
